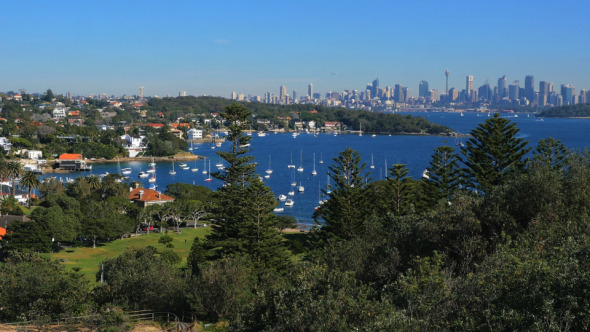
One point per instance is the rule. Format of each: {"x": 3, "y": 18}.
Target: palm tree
{"x": 9, "y": 204}
{"x": 14, "y": 169}
{"x": 30, "y": 181}
{"x": 3, "y": 172}
{"x": 94, "y": 182}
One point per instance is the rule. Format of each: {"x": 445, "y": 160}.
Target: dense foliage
{"x": 398, "y": 254}
{"x": 569, "y": 111}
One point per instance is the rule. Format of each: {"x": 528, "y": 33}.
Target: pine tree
{"x": 244, "y": 223}
{"x": 493, "y": 152}
{"x": 443, "y": 176}
{"x": 401, "y": 189}
{"x": 344, "y": 212}
{"x": 550, "y": 152}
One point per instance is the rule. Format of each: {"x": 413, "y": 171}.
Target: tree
{"x": 400, "y": 186}
{"x": 195, "y": 210}
{"x": 50, "y": 186}
{"x": 550, "y": 152}
{"x": 344, "y": 212}
{"x": 32, "y": 288}
{"x": 493, "y": 152}
{"x": 244, "y": 222}
{"x": 14, "y": 169}
{"x": 30, "y": 181}
{"x": 10, "y": 205}
{"x": 444, "y": 176}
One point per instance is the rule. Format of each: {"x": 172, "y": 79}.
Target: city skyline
{"x": 219, "y": 47}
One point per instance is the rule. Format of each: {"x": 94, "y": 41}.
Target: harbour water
{"x": 381, "y": 151}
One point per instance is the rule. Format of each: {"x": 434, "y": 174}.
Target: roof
{"x": 70, "y": 156}
{"x": 156, "y": 125}
{"x": 176, "y": 125}
{"x": 6, "y": 190}
{"x": 7, "y": 219}
{"x": 149, "y": 195}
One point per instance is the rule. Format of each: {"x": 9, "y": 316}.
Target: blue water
{"x": 415, "y": 151}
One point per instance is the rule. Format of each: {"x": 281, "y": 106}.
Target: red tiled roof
{"x": 70, "y": 156}
{"x": 149, "y": 195}
{"x": 176, "y": 125}
{"x": 156, "y": 125}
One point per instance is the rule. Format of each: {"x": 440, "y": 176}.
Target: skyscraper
{"x": 514, "y": 90}
{"x": 375, "y": 87}
{"x": 567, "y": 93}
{"x": 294, "y": 95}
{"x": 398, "y": 93}
{"x": 423, "y": 89}
{"x": 141, "y": 92}
{"x": 502, "y": 86}
{"x": 529, "y": 87}
{"x": 310, "y": 91}
{"x": 468, "y": 85}
{"x": 447, "y": 85}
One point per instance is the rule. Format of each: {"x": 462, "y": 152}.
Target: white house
{"x": 34, "y": 154}
{"x": 194, "y": 134}
{"x": 5, "y": 144}
{"x": 134, "y": 145}
{"x": 59, "y": 112}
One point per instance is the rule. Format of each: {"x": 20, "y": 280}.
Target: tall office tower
{"x": 234, "y": 95}
{"x": 453, "y": 94}
{"x": 502, "y": 86}
{"x": 484, "y": 92}
{"x": 406, "y": 92}
{"x": 567, "y": 93}
{"x": 398, "y": 93}
{"x": 514, "y": 90}
{"x": 282, "y": 91}
{"x": 423, "y": 89}
{"x": 529, "y": 87}
{"x": 310, "y": 91}
{"x": 447, "y": 85}
{"x": 69, "y": 95}
{"x": 543, "y": 93}
{"x": 582, "y": 99}
{"x": 468, "y": 85}
{"x": 368, "y": 95}
{"x": 182, "y": 94}
{"x": 433, "y": 95}
{"x": 240, "y": 96}
{"x": 375, "y": 88}
{"x": 141, "y": 92}
{"x": 294, "y": 95}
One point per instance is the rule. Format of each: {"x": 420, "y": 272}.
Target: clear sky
{"x": 215, "y": 47}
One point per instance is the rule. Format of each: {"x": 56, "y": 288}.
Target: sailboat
{"x": 191, "y": 147}
{"x": 300, "y": 168}
{"x": 205, "y": 165}
{"x": 301, "y": 188}
{"x": 269, "y": 170}
{"x": 291, "y": 165}
{"x": 196, "y": 169}
{"x": 153, "y": 164}
{"x": 321, "y": 158}
{"x": 293, "y": 182}
{"x": 372, "y": 165}
{"x": 360, "y": 128}
{"x": 152, "y": 179}
{"x": 172, "y": 172}
{"x": 209, "y": 179}
{"x": 328, "y": 187}
{"x": 314, "y": 172}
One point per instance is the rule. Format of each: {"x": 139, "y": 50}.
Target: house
{"x": 5, "y": 144}
{"x": 34, "y": 154}
{"x": 73, "y": 162}
{"x": 20, "y": 195}
{"x": 134, "y": 145}
{"x": 332, "y": 125}
{"x": 6, "y": 220}
{"x": 195, "y": 134}
{"x": 144, "y": 197}
{"x": 59, "y": 112}
{"x": 177, "y": 133}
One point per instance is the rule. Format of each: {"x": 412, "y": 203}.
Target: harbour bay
{"x": 379, "y": 151}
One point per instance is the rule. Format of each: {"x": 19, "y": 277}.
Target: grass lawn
{"x": 88, "y": 259}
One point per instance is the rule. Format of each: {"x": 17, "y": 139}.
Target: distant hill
{"x": 570, "y": 111}
{"x": 372, "y": 122}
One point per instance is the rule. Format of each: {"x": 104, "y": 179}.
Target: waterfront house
{"x": 73, "y": 162}
{"x": 195, "y": 134}
{"x": 144, "y": 197}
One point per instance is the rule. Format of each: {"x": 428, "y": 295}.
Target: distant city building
{"x": 234, "y": 95}
{"x": 502, "y": 86}
{"x": 468, "y": 85}
{"x": 453, "y": 94}
{"x": 141, "y": 92}
{"x": 567, "y": 93}
{"x": 398, "y": 93}
{"x": 529, "y": 87}
{"x": 514, "y": 91}
{"x": 194, "y": 134}
{"x": 375, "y": 88}
{"x": 423, "y": 89}
{"x": 406, "y": 95}
{"x": 294, "y": 95}
{"x": 433, "y": 95}
{"x": 310, "y": 90}
{"x": 484, "y": 92}
{"x": 182, "y": 94}
{"x": 447, "y": 83}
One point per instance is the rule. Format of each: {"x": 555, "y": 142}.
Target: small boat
{"x": 300, "y": 168}
{"x": 261, "y": 134}
{"x": 291, "y": 165}
{"x": 153, "y": 164}
{"x": 282, "y": 197}
{"x": 151, "y": 170}
{"x": 321, "y": 158}
{"x": 374, "y": 135}
{"x": 209, "y": 179}
{"x": 218, "y": 144}
{"x": 289, "y": 203}
{"x": 143, "y": 175}
{"x": 300, "y": 188}
{"x": 269, "y": 170}
{"x": 372, "y": 165}
{"x": 314, "y": 172}
{"x": 196, "y": 169}
{"x": 426, "y": 174}
{"x": 172, "y": 171}
{"x": 182, "y": 165}
{"x": 204, "y": 166}
{"x": 291, "y": 193}
{"x": 267, "y": 176}
{"x": 462, "y": 114}
{"x": 220, "y": 165}
{"x": 191, "y": 147}
{"x": 185, "y": 168}
{"x": 126, "y": 171}
{"x": 279, "y": 209}
{"x": 360, "y": 128}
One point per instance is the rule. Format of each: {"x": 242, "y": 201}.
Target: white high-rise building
{"x": 310, "y": 91}
{"x": 141, "y": 92}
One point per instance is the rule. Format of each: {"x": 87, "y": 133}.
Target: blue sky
{"x": 216, "y": 47}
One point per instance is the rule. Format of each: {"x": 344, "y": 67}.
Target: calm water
{"x": 415, "y": 151}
